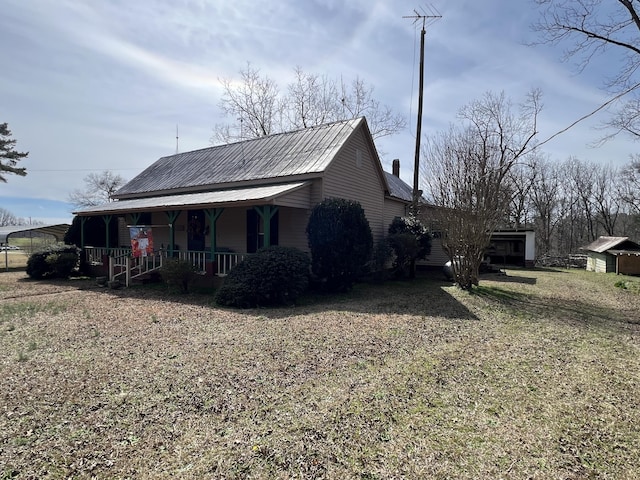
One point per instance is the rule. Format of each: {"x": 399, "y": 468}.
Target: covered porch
{"x": 213, "y": 230}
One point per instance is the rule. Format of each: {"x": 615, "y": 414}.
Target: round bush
{"x": 340, "y": 241}
{"x": 54, "y": 261}
{"x": 272, "y": 276}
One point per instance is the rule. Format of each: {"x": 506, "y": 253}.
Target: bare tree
{"x": 547, "y": 203}
{"x": 99, "y": 189}
{"x": 607, "y": 201}
{"x": 9, "y": 219}
{"x": 521, "y": 179}
{"x": 630, "y": 186}
{"x": 591, "y": 28}
{"x": 9, "y": 157}
{"x": 465, "y": 170}
{"x": 312, "y": 100}
{"x": 256, "y": 106}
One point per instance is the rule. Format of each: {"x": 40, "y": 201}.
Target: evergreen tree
{"x": 9, "y": 157}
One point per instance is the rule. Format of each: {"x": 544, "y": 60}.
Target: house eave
{"x": 221, "y": 186}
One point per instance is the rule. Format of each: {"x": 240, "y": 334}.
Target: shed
{"x": 613, "y": 254}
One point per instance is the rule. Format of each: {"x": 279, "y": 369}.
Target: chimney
{"x": 395, "y": 168}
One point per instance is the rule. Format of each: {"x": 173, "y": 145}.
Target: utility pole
{"x": 425, "y": 17}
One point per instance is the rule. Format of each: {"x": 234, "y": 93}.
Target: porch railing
{"x": 123, "y": 266}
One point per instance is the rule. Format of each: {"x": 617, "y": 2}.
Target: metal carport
{"x": 57, "y": 231}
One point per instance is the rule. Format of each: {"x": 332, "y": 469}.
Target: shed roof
{"x": 298, "y": 153}
{"x": 603, "y": 244}
{"x": 216, "y": 198}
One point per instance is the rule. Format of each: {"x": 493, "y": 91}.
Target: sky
{"x": 94, "y": 85}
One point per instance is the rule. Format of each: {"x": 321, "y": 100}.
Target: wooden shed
{"x": 613, "y": 254}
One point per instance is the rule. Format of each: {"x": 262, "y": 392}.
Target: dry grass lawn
{"x": 536, "y": 375}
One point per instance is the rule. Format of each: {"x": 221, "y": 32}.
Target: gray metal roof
{"x": 602, "y": 244}
{"x": 57, "y": 231}
{"x": 398, "y": 188}
{"x": 302, "y": 152}
{"x": 210, "y": 199}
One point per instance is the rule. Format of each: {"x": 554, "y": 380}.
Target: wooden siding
{"x": 629, "y": 264}
{"x": 355, "y": 176}
{"x": 293, "y": 224}
{"x": 600, "y": 262}
{"x": 300, "y": 198}
{"x": 437, "y": 257}
{"x": 392, "y": 209}
{"x": 232, "y": 229}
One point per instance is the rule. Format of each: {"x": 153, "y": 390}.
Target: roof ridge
{"x": 271, "y": 135}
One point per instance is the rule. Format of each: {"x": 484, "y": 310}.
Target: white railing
{"x": 123, "y": 266}
{"x": 226, "y": 261}
{"x": 132, "y": 267}
{"x": 197, "y": 259}
{"x": 94, "y": 255}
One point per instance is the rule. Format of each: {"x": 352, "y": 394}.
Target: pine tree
{"x": 9, "y": 157}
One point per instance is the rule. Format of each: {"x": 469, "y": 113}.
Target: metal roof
{"x": 210, "y": 199}
{"x": 302, "y": 152}
{"x": 602, "y": 244}
{"x": 57, "y": 231}
{"x": 398, "y": 188}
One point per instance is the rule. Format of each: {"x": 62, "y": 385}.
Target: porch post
{"x": 266, "y": 213}
{"x": 135, "y": 218}
{"x": 107, "y": 220}
{"x": 213, "y": 214}
{"x": 82, "y": 221}
{"x": 172, "y": 216}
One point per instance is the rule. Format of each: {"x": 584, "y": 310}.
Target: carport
{"x": 57, "y": 231}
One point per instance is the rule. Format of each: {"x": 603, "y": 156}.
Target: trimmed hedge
{"x": 54, "y": 261}
{"x": 340, "y": 241}
{"x": 272, "y": 276}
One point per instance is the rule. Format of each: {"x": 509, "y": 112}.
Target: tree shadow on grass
{"x": 423, "y": 297}
{"x": 509, "y": 278}
{"x": 568, "y": 311}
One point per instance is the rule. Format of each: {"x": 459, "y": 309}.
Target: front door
{"x": 195, "y": 230}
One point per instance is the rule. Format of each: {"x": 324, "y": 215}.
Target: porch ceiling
{"x": 217, "y": 198}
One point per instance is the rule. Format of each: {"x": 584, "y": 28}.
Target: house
{"x": 613, "y": 254}
{"x": 214, "y": 205}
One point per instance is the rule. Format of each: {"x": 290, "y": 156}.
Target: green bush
{"x": 54, "y": 261}
{"x": 179, "y": 273}
{"x": 378, "y": 265}
{"x": 340, "y": 241}
{"x": 410, "y": 241}
{"x": 272, "y": 276}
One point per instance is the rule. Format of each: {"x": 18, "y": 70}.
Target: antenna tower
{"x": 427, "y": 18}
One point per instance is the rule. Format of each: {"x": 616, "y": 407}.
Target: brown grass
{"x": 534, "y": 375}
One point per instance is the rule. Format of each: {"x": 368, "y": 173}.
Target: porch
{"x": 120, "y": 264}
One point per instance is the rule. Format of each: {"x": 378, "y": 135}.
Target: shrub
{"x": 272, "y": 276}
{"x": 178, "y": 272}
{"x": 410, "y": 241}
{"x": 381, "y": 254}
{"x": 340, "y": 241}
{"x": 54, "y": 261}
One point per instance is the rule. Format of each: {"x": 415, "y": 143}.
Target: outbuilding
{"x": 613, "y": 254}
